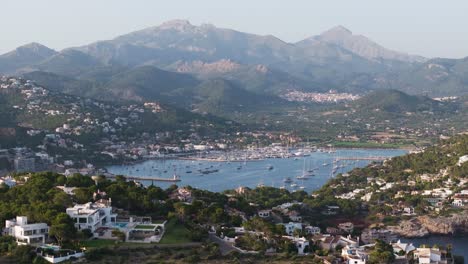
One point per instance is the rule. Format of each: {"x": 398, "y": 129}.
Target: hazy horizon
{"x": 399, "y": 25}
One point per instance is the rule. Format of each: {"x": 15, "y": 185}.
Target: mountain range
{"x": 176, "y": 59}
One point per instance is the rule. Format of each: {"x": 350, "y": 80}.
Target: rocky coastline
{"x": 423, "y": 226}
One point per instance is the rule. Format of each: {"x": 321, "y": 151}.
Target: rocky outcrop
{"x": 446, "y": 225}
{"x": 427, "y": 225}
{"x": 200, "y": 67}
{"x": 409, "y": 228}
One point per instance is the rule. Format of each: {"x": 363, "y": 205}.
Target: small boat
{"x": 302, "y": 177}
{"x": 301, "y": 187}
{"x": 287, "y": 180}
{"x": 294, "y": 185}
{"x": 188, "y": 171}
{"x": 270, "y": 167}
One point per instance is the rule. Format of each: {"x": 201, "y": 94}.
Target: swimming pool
{"x": 120, "y": 225}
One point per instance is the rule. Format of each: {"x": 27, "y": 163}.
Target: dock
{"x": 373, "y": 158}
{"x": 147, "y": 178}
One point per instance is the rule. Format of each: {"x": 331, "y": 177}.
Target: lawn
{"x": 176, "y": 233}
{"x": 98, "y": 243}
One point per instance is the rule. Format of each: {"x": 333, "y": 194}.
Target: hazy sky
{"x": 432, "y": 28}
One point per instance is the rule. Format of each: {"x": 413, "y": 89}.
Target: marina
{"x": 306, "y": 172}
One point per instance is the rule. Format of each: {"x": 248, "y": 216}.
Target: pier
{"x": 374, "y": 158}
{"x": 147, "y": 178}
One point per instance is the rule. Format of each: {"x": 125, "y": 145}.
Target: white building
{"x": 291, "y": 226}
{"x": 354, "y": 255}
{"x": 312, "y": 230}
{"x": 428, "y": 255}
{"x": 408, "y": 211}
{"x": 295, "y": 216}
{"x": 301, "y": 244}
{"x": 25, "y": 233}
{"x": 460, "y": 200}
{"x": 264, "y": 213}
{"x": 92, "y": 215}
{"x": 462, "y": 160}
{"x": 54, "y": 254}
{"x": 67, "y": 190}
{"x": 405, "y": 247}
{"x": 8, "y": 180}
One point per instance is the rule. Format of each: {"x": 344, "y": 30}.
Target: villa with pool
{"x": 100, "y": 219}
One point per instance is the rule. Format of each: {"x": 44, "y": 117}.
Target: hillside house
{"x": 291, "y": 227}
{"x": 26, "y": 233}
{"x": 312, "y": 230}
{"x": 92, "y": 215}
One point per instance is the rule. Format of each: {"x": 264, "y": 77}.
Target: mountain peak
{"x": 32, "y": 48}
{"x": 34, "y": 45}
{"x": 338, "y": 31}
{"x": 178, "y": 24}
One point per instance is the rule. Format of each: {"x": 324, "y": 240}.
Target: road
{"x": 224, "y": 246}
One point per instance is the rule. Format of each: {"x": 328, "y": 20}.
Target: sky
{"x": 431, "y": 28}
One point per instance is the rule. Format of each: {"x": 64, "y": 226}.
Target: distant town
{"x": 331, "y": 97}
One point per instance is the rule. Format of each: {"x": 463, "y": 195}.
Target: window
{"x": 82, "y": 220}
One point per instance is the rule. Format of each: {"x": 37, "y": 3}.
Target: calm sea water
{"x": 252, "y": 173}
{"x": 231, "y": 175}
{"x": 459, "y": 243}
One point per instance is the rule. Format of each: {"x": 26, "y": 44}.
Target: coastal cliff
{"x": 427, "y": 225}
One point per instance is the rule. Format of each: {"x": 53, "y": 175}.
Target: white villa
{"x": 405, "y": 247}
{"x": 428, "y": 255}
{"x": 460, "y": 200}
{"x": 291, "y": 226}
{"x": 8, "y": 180}
{"x": 92, "y": 215}
{"x": 312, "y": 230}
{"x": 300, "y": 242}
{"x": 354, "y": 254}
{"x": 25, "y": 233}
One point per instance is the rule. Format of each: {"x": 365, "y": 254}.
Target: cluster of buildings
{"x": 353, "y": 250}
{"x": 440, "y": 198}
{"x": 403, "y": 252}
{"x": 330, "y": 97}
{"x": 24, "y": 160}
{"x": 78, "y": 118}
{"x": 98, "y": 217}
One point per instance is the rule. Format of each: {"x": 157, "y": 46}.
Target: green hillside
{"x": 395, "y": 101}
